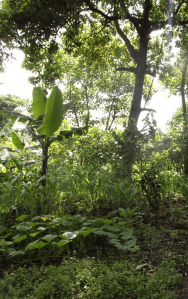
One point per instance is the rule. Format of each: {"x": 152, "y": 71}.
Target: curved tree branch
{"x": 98, "y": 11}
{"x": 178, "y": 8}
{"x": 147, "y": 7}
{"x": 128, "y": 69}
{"x": 147, "y": 109}
{"x": 135, "y": 71}
{"x": 131, "y": 49}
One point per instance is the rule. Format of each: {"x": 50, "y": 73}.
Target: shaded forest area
{"x": 91, "y": 206}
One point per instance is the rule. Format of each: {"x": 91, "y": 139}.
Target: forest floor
{"x": 167, "y": 242}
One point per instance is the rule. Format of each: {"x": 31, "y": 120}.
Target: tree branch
{"x": 156, "y": 26}
{"x": 134, "y": 20}
{"x": 178, "y": 8}
{"x": 128, "y": 69}
{"x": 131, "y": 49}
{"x": 135, "y": 71}
{"x": 98, "y": 11}
{"x": 183, "y": 22}
{"x": 147, "y": 109}
{"x": 147, "y": 7}
{"x": 152, "y": 74}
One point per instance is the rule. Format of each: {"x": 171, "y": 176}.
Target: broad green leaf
{"x": 43, "y": 177}
{"x": 49, "y": 238}
{"x": 73, "y": 131}
{"x": 76, "y": 217}
{"x": 107, "y": 221}
{"x": 85, "y": 233}
{"x": 15, "y": 253}
{"x": 116, "y": 243}
{"x": 127, "y": 235}
{"x": 14, "y": 158}
{"x": 35, "y": 234}
{"x": 23, "y": 227}
{"x": 7, "y": 243}
{"x": 66, "y": 107}
{"x": 10, "y": 249}
{"x": 54, "y": 113}
{"x": 64, "y": 222}
{"x": 111, "y": 235}
{"x": 41, "y": 228}
{"x": 113, "y": 228}
{"x": 15, "y": 115}
{"x": 67, "y": 216}
{"x": 39, "y": 101}
{"x": 18, "y": 238}
{"x": 57, "y": 220}
{"x": 21, "y": 218}
{"x": 88, "y": 222}
{"x": 16, "y": 141}
{"x": 5, "y": 236}
{"x": 36, "y": 218}
{"x": 61, "y": 243}
{"x": 69, "y": 235}
{"x": 100, "y": 233}
{"x": 131, "y": 243}
{"x": 36, "y": 245}
{"x": 31, "y": 223}
{"x": 82, "y": 219}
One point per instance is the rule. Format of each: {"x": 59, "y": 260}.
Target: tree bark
{"x": 130, "y": 139}
{"x": 45, "y": 147}
{"x": 87, "y": 104}
{"x": 185, "y": 125}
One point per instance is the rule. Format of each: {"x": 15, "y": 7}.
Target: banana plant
{"x": 48, "y": 114}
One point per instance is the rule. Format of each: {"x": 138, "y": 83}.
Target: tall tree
{"x": 88, "y": 76}
{"x": 32, "y": 23}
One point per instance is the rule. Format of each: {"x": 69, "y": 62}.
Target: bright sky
{"x": 15, "y": 79}
{"x": 15, "y": 82}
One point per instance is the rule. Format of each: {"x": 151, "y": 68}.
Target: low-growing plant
{"x": 91, "y": 278}
{"x": 49, "y": 231}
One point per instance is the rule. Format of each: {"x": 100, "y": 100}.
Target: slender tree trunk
{"x": 185, "y": 125}
{"x": 136, "y": 101}
{"x": 76, "y": 117}
{"x": 113, "y": 118}
{"x": 108, "y": 123}
{"x": 87, "y": 103}
{"x": 130, "y": 133}
{"x": 45, "y": 147}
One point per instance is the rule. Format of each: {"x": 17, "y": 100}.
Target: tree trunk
{"x": 130, "y": 133}
{"x": 87, "y": 104}
{"x": 185, "y": 125}
{"x": 45, "y": 147}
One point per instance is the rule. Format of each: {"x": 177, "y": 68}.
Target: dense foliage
{"x": 91, "y": 207}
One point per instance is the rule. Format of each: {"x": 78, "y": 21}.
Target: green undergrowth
{"x": 54, "y": 235}
{"x": 91, "y": 278}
